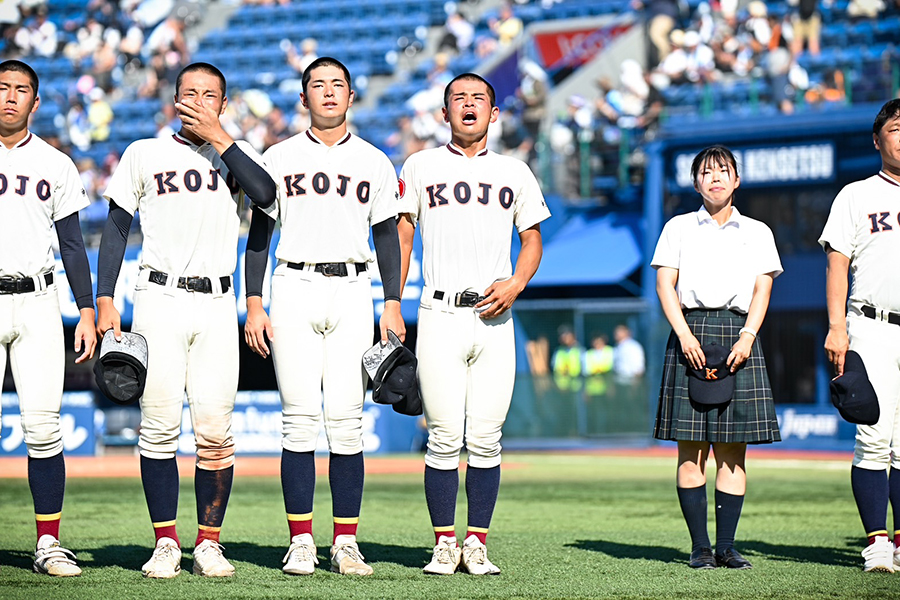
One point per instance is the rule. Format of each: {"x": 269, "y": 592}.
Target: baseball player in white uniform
{"x": 466, "y": 199}
{"x": 332, "y": 187}
{"x": 862, "y": 235}
{"x": 39, "y": 188}
{"x": 190, "y": 190}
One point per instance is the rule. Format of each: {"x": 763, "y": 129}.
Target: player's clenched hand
{"x": 499, "y": 297}
{"x": 257, "y": 327}
{"x": 392, "y": 319}
{"x": 690, "y": 345}
{"x": 836, "y": 345}
{"x": 203, "y": 122}
{"x": 108, "y": 317}
{"x": 85, "y": 334}
{"x": 740, "y": 352}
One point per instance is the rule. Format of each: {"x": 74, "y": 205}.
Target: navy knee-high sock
{"x": 47, "y": 480}
{"x": 482, "y": 487}
{"x": 441, "y": 488}
{"x": 870, "y": 489}
{"x": 298, "y": 484}
{"x": 693, "y": 506}
{"x": 346, "y": 475}
{"x": 160, "y": 480}
{"x": 728, "y": 513}
{"x": 212, "y": 490}
{"x": 894, "y": 495}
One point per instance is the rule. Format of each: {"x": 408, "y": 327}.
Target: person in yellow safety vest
{"x": 598, "y": 361}
{"x": 567, "y": 361}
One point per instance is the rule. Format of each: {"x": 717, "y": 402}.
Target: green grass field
{"x": 566, "y": 526}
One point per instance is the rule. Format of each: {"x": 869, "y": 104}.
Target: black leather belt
{"x": 330, "y": 269}
{"x": 463, "y": 299}
{"x": 22, "y": 285}
{"x": 880, "y": 315}
{"x": 191, "y": 284}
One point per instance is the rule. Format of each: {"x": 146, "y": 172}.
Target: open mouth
{"x": 469, "y": 117}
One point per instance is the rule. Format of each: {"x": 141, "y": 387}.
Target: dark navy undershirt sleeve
{"x": 112, "y": 249}
{"x": 252, "y": 177}
{"x": 71, "y": 249}
{"x": 387, "y": 252}
{"x": 258, "y": 239}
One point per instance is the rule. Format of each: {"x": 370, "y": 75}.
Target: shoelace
{"x": 214, "y": 548}
{"x": 163, "y": 552}
{"x": 477, "y": 555}
{"x": 305, "y": 553}
{"x": 56, "y": 553}
{"x": 443, "y": 554}
{"x": 351, "y": 551}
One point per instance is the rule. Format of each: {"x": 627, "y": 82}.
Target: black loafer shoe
{"x": 702, "y": 558}
{"x": 732, "y": 559}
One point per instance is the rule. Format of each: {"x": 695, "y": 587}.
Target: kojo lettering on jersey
{"x": 294, "y": 185}
{"x": 169, "y": 182}
{"x": 42, "y": 189}
{"x": 462, "y": 193}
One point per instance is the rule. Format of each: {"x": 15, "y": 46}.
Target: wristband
{"x": 747, "y": 330}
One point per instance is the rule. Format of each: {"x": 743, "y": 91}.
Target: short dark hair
{"x": 890, "y": 110}
{"x": 325, "y": 61}
{"x": 470, "y": 77}
{"x": 201, "y": 67}
{"x": 718, "y": 154}
{"x": 18, "y": 66}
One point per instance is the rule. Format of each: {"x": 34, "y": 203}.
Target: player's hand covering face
{"x": 17, "y": 100}
{"x": 327, "y": 96}
{"x": 201, "y": 89}
{"x": 469, "y": 111}
{"x": 716, "y": 182}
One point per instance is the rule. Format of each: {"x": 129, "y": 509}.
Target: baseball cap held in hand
{"x": 713, "y": 383}
{"x": 852, "y": 393}
{"x": 392, "y": 367}
{"x": 121, "y": 367}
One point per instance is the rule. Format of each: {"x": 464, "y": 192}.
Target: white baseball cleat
{"x": 445, "y": 560}
{"x": 52, "y": 559}
{"x": 165, "y": 562}
{"x": 301, "y": 556}
{"x": 346, "y": 558}
{"x": 474, "y": 558}
{"x": 209, "y": 560}
{"x": 879, "y": 555}
{"x": 896, "y": 558}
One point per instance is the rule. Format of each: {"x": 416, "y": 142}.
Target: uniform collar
{"x": 888, "y": 179}
{"x": 703, "y": 216}
{"x": 186, "y": 142}
{"x": 455, "y": 150}
{"x": 312, "y": 137}
{"x": 22, "y": 142}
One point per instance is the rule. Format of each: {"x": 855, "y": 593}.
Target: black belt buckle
{"x": 196, "y": 284}
{"x": 467, "y": 299}
{"x": 332, "y": 269}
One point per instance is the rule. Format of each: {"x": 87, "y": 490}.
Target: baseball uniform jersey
{"x": 38, "y": 185}
{"x": 466, "y": 209}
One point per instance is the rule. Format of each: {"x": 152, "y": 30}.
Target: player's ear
{"x": 352, "y": 97}
{"x": 37, "y": 102}
{"x": 495, "y": 113}
{"x": 303, "y": 100}
{"x": 224, "y": 104}
{"x": 446, "y": 115}
{"x": 875, "y": 139}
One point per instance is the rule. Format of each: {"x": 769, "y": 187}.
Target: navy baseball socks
{"x": 482, "y": 487}
{"x": 47, "y": 480}
{"x": 160, "y": 480}
{"x": 872, "y": 491}
{"x": 441, "y": 488}
{"x": 298, "y": 484}
{"x": 212, "y": 490}
{"x": 346, "y": 474}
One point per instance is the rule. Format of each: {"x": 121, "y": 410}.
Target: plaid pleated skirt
{"x": 750, "y": 415}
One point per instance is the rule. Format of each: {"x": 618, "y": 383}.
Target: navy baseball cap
{"x": 852, "y": 393}
{"x": 392, "y": 367}
{"x": 121, "y": 367}
{"x": 713, "y": 383}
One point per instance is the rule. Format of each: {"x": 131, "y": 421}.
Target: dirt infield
{"x": 264, "y": 466}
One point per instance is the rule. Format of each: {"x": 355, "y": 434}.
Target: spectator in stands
{"x": 39, "y": 37}
{"x": 440, "y": 74}
{"x": 167, "y": 121}
{"x": 532, "y": 93}
{"x": 567, "y": 136}
{"x": 10, "y": 17}
{"x": 732, "y": 53}
{"x": 103, "y": 64}
{"x": 757, "y": 26}
{"x": 309, "y": 48}
{"x": 660, "y": 19}
{"x": 507, "y": 27}
{"x": 778, "y": 65}
{"x": 629, "y": 361}
{"x": 100, "y": 115}
{"x": 458, "y": 35}
{"x": 168, "y": 41}
{"x": 807, "y": 25}
{"x": 858, "y": 10}
{"x": 829, "y": 90}
{"x": 598, "y": 362}
{"x": 277, "y": 127}
{"x": 88, "y": 38}
{"x": 675, "y": 63}
{"x": 78, "y": 126}
{"x": 514, "y": 137}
